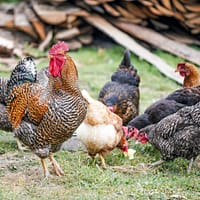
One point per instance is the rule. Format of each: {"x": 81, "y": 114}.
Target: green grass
{"x": 10, "y": 1}
{"x": 21, "y": 172}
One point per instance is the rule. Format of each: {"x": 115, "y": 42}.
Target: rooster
{"x": 121, "y": 95}
{"x": 190, "y": 73}
{"x": 16, "y": 77}
{"x": 177, "y": 135}
{"x": 48, "y": 116}
{"x": 102, "y": 130}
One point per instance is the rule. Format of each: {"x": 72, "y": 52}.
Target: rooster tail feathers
{"x": 25, "y": 71}
{"x": 126, "y": 61}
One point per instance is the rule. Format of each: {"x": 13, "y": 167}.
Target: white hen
{"x": 102, "y": 130}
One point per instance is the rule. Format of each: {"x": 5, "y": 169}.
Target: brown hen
{"x": 190, "y": 73}
{"x": 121, "y": 94}
{"x": 50, "y": 115}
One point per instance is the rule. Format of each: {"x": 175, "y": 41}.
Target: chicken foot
{"x": 45, "y": 168}
{"x": 56, "y": 166}
{"x": 20, "y": 146}
{"x": 155, "y": 164}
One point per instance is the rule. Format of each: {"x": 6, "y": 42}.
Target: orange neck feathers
{"x": 193, "y": 79}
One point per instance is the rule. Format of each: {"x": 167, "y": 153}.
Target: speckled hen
{"x": 5, "y": 125}
{"x": 177, "y": 135}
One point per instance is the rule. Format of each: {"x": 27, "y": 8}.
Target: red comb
{"x": 59, "y": 46}
{"x": 180, "y": 64}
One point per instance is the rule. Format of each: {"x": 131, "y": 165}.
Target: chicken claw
{"x": 20, "y": 146}
{"x": 56, "y": 166}
{"x": 155, "y": 164}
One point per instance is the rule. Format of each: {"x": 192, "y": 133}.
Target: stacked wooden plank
{"x": 166, "y": 24}
{"x": 155, "y": 12}
{"x": 46, "y": 21}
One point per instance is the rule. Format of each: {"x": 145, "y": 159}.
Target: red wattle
{"x": 55, "y": 65}
{"x": 182, "y": 73}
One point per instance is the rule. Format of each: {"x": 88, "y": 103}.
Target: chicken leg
{"x": 20, "y": 146}
{"x": 190, "y": 165}
{"x": 56, "y": 166}
{"x": 102, "y": 161}
{"x": 46, "y": 171}
{"x": 157, "y": 163}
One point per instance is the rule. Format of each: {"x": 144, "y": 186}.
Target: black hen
{"x": 121, "y": 94}
{"x": 164, "y": 107}
{"x": 177, "y": 135}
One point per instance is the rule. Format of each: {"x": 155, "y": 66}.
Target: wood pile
{"x": 44, "y": 22}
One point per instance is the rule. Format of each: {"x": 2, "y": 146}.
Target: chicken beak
{"x": 176, "y": 70}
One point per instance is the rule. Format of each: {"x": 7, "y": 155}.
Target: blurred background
{"x": 162, "y": 24}
{"x": 159, "y": 34}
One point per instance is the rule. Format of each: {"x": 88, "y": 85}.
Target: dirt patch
{"x": 19, "y": 169}
{"x": 29, "y": 180}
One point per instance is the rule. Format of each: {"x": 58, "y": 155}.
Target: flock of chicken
{"x": 45, "y": 109}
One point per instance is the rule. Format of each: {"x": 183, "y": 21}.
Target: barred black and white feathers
{"x": 42, "y": 76}
{"x": 3, "y": 90}
{"x": 178, "y": 135}
{"x": 52, "y": 111}
{"x": 5, "y": 125}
